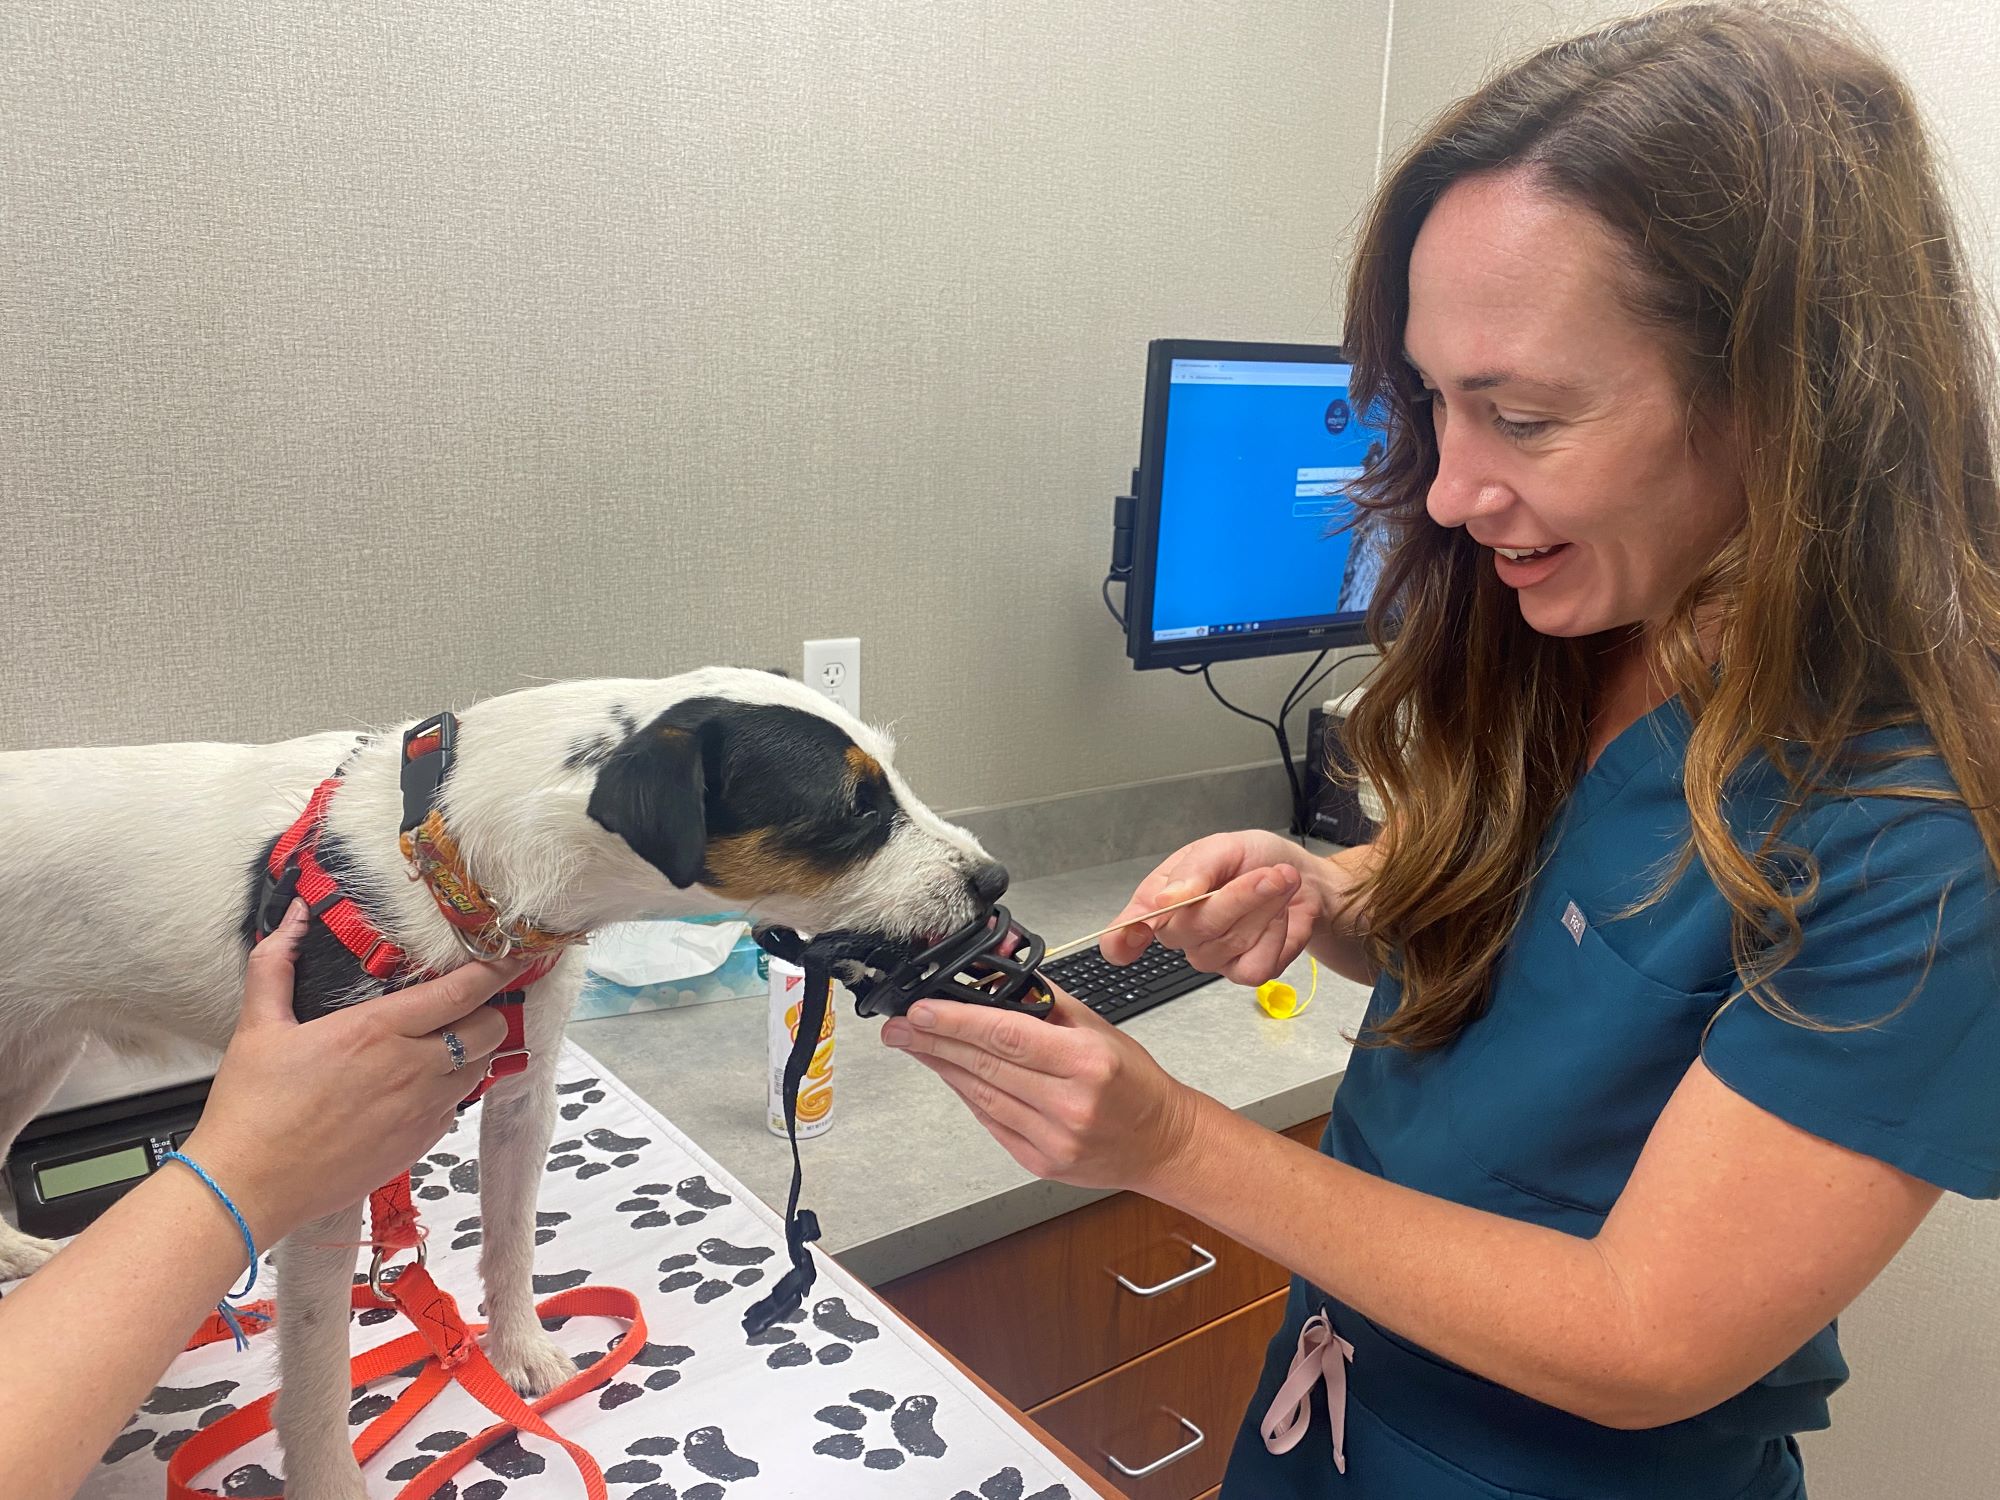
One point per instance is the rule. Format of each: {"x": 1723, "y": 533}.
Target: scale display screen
{"x": 67, "y": 1178}
{"x": 67, "y": 1168}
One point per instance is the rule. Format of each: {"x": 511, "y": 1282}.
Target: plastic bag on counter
{"x": 665, "y": 964}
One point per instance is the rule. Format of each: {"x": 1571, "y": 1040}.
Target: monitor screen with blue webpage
{"x": 1243, "y": 536}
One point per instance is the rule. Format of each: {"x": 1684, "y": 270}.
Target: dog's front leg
{"x": 315, "y": 1271}
{"x": 516, "y": 1121}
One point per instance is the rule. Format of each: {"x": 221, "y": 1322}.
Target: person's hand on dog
{"x": 1070, "y": 1097}
{"x": 303, "y": 1120}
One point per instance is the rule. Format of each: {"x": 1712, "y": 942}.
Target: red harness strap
{"x": 298, "y": 849}
{"x": 296, "y": 854}
{"x": 513, "y": 1055}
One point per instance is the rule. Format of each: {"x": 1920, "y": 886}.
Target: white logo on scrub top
{"x": 1572, "y": 919}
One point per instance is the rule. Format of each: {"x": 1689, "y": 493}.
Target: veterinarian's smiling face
{"x": 1567, "y": 444}
{"x": 792, "y": 811}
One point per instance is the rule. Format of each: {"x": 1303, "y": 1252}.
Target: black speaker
{"x": 1333, "y": 802}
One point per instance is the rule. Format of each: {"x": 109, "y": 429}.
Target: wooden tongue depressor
{"x": 1146, "y": 916}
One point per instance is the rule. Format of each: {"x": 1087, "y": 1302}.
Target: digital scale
{"x": 67, "y": 1168}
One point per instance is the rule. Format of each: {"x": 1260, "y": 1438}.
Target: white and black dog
{"x": 128, "y": 879}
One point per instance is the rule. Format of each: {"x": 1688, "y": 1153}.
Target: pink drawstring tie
{"x": 1323, "y": 1355}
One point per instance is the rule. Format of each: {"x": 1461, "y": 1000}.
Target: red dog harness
{"x": 294, "y": 869}
{"x": 446, "y": 1343}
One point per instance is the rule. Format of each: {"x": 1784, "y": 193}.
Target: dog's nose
{"x": 988, "y": 882}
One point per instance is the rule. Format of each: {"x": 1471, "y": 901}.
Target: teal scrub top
{"x": 1538, "y": 1109}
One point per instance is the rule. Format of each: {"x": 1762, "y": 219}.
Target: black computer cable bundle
{"x": 1301, "y": 690}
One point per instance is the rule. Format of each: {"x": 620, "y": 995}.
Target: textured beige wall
{"x": 364, "y": 358}
{"x": 1924, "y": 1341}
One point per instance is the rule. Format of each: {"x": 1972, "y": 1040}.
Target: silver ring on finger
{"x": 456, "y": 1048}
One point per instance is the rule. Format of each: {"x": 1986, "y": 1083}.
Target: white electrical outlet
{"x": 834, "y": 668}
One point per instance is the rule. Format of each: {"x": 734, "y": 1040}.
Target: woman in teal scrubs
{"x": 1682, "y": 926}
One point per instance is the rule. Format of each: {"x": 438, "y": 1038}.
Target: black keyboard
{"x": 1156, "y": 976}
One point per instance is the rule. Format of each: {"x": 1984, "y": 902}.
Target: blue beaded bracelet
{"x": 249, "y": 1247}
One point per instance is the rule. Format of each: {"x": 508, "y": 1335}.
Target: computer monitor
{"x": 1240, "y": 539}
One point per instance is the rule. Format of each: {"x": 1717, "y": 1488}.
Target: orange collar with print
{"x": 294, "y": 869}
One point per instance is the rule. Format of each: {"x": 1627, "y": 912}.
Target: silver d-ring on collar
{"x": 375, "y": 1282}
{"x": 456, "y": 1048}
{"x": 484, "y": 955}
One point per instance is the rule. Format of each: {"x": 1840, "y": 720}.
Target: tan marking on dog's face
{"x": 753, "y": 865}
{"x": 865, "y": 767}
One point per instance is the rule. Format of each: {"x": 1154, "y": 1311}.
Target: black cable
{"x": 1106, "y": 591}
{"x": 1240, "y": 712}
{"x": 1293, "y": 700}
{"x": 1333, "y": 667}
{"x": 1289, "y": 705}
{"x": 1284, "y": 748}
{"x": 1301, "y": 813}
{"x": 1296, "y": 695}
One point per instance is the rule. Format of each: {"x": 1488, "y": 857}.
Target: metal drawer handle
{"x": 1206, "y": 1264}
{"x": 1158, "y": 1464}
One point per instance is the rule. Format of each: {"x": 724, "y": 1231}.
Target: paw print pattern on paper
{"x": 660, "y": 1362}
{"x": 739, "y": 1264}
{"x": 588, "y": 1087}
{"x": 548, "y": 1284}
{"x": 831, "y": 1318}
{"x": 910, "y": 1434}
{"x": 454, "y": 1174}
{"x": 255, "y": 1482}
{"x": 434, "y": 1446}
{"x": 574, "y": 1156}
{"x": 166, "y": 1420}
{"x": 703, "y": 1456}
{"x": 694, "y": 1200}
{"x": 468, "y": 1232}
{"x": 506, "y": 1459}
{"x": 1008, "y": 1485}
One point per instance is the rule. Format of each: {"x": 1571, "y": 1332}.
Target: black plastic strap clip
{"x": 424, "y": 774}
{"x": 275, "y": 895}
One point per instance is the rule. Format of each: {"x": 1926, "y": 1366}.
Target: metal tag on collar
{"x": 424, "y": 772}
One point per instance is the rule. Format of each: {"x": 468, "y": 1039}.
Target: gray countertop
{"x": 905, "y": 1177}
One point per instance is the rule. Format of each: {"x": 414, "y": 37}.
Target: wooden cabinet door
{"x": 1052, "y": 1306}
{"x": 1044, "y": 1310}
{"x": 1185, "y": 1399}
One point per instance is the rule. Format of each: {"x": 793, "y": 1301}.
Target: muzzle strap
{"x": 901, "y": 976}
{"x": 801, "y": 1225}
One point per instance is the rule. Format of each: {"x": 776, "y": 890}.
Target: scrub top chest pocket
{"x": 1553, "y": 1091}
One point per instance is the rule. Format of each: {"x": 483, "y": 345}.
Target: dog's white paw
{"x": 22, "y": 1254}
{"x": 337, "y": 1478}
{"x": 532, "y": 1365}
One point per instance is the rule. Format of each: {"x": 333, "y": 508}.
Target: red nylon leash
{"x": 449, "y": 1350}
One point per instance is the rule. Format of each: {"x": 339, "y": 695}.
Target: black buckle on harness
{"x": 274, "y": 897}
{"x": 424, "y": 774}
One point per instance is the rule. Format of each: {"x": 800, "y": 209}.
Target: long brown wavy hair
{"x": 1769, "y": 177}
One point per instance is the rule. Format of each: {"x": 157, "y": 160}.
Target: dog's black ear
{"x": 653, "y": 793}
